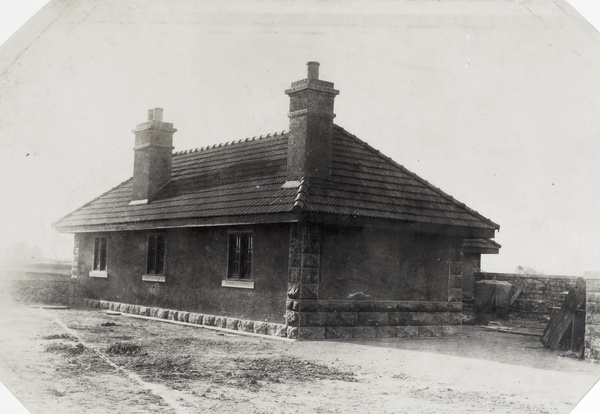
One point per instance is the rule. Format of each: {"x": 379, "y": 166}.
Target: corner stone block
{"x": 592, "y": 285}
{"x": 338, "y": 332}
{"x": 455, "y": 306}
{"x": 233, "y": 324}
{"x": 293, "y": 291}
{"x": 592, "y": 319}
{"x": 385, "y": 331}
{"x": 311, "y": 333}
{"x": 246, "y": 326}
{"x": 220, "y": 321}
{"x": 209, "y": 320}
{"x": 309, "y": 275}
{"x": 364, "y": 332}
{"x": 308, "y": 306}
{"x": 399, "y": 318}
{"x": 294, "y": 275}
{"x": 451, "y": 330}
{"x": 373, "y": 318}
{"x": 456, "y": 268}
{"x": 591, "y": 307}
{"x": 455, "y": 281}
{"x": 195, "y": 318}
{"x": 310, "y": 260}
{"x": 455, "y": 318}
{"x": 454, "y": 295}
{"x": 407, "y": 331}
{"x": 260, "y": 328}
{"x": 593, "y": 297}
{"x": 310, "y": 291}
{"x": 430, "y": 331}
{"x": 295, "y": 260}
{"x": 275, "y": 329}
{"x": 184, "y": 317}
{"x": 292, "y": 332}
{"x": 292, "y": 318}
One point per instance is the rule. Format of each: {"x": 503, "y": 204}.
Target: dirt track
{"x": 85, "y": 361}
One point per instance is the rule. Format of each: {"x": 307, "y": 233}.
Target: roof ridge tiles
{"x": 416, "y": 177}
{"x": 230, "y": 143}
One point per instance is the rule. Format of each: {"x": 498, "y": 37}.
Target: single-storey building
{"x": 307, "y": 234}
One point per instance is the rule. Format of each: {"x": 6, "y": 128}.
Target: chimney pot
{"x": 313, "y": 70}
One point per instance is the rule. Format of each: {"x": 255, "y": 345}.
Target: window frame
{"x": 151, "y": 273}
{"x": 239, "y": 278}
{"x": 100, "y": 252}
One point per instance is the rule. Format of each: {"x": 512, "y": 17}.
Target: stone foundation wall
{"x": 368, "y": 319}
{"x": 225, "y": 322}
{"x": 383, "y": 320}
{"x": 540, "y": 293}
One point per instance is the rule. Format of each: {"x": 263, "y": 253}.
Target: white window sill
{"x": 238, "y": 283}
{"x": 154, "y": 278}
{"x": 99, "y": 273}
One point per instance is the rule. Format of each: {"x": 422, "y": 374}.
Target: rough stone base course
{"x": 423, "y": 330}
{"x": 233, "y": 324}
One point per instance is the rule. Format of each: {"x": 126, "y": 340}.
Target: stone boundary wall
{"x": 592, "y": 319}
{"x": 540, "y": 293}
{"x": 404, "y": 320}
{"x": 48, "y": 289}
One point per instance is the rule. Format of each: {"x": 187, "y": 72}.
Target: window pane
{"x": 160, "y": 255}
{"x": 234, "y": 255}
{"x": 246, "y": 256}
{"x": 103, "y": 242}
{"x": 151, "y": 255}
{"x": 96, "y": 255}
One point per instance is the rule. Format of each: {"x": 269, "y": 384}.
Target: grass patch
{"x": 66, "y": 336}
{"x": 68, "y": 349}
{"x": 123, "y": 348}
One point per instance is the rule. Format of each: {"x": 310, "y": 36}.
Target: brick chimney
{"x": 311, "y": 124}
{"x": 153, "y": 156}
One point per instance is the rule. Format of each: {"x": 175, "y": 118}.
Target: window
{"x": 99, "y": 263}
{"x": 156, "y": 255}
{"x": 240, "y": 256}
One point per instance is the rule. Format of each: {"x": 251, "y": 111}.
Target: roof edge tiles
{"x": 416, "y": 177}
{"x": 55, "y": 224}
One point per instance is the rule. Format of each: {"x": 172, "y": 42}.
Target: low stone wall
{"x": 369, "y": 319}
{"x": 50, "y": 292}
{"x": 540, "y": 293}
{"x": 592, "y": 319}
{"x": 234, "y": 324}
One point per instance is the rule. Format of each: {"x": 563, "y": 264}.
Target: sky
{"x": 523, "y": 175}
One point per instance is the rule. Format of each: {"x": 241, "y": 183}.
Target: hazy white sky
{"x": 512, "y": 135}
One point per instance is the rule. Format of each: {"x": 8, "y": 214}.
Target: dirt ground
{"x": 86, "y": 361}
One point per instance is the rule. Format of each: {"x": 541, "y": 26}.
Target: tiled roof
{"x": 483, "y": 246}
{"x": 246, "y": 177}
